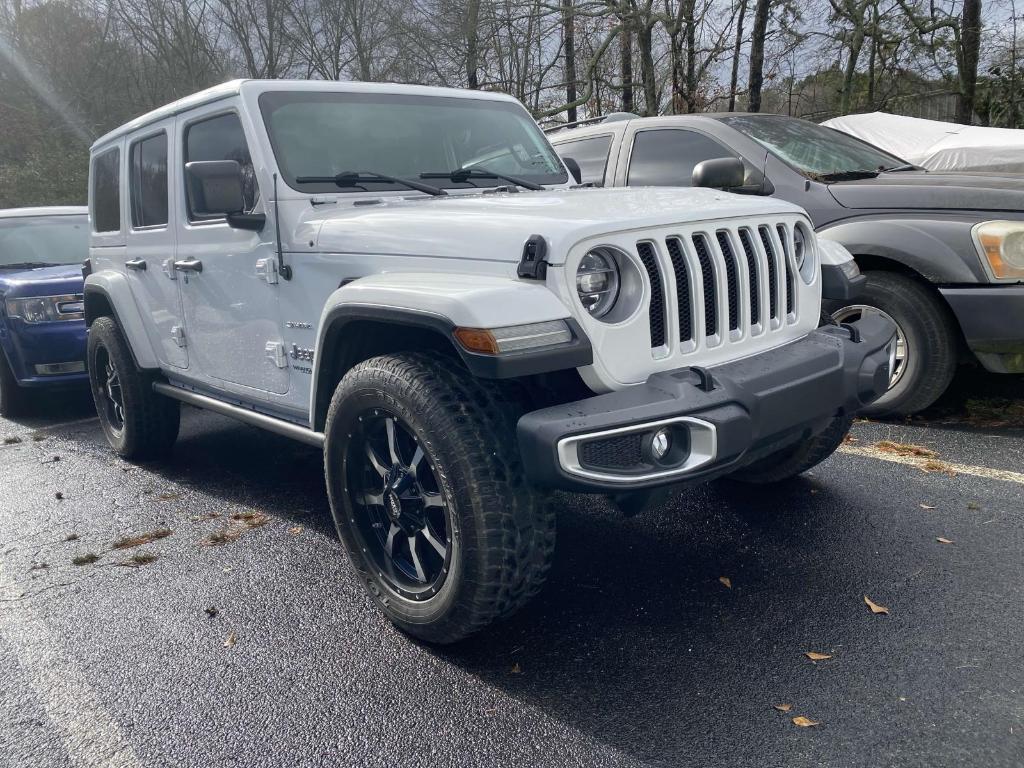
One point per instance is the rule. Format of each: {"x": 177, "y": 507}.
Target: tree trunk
{"x": 648, "y": 77}
{"x": 691, "y": 61}
{"x": 856, "y": 43}
{"x": 734, "y": 80}
{"x": 626, "y": 64}
{"x": 569, "y": 51}
{"x": 873, "y": 56}
{"x": 473, "y": 44}
{"x": 970, "y": 41}
{"x": 758, "y": 34}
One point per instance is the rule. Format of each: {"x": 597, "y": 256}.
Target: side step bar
{"x": 269, "y": 423}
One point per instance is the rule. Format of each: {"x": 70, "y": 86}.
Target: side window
{"x": 666, "y": 157}
{"x": 591, "y": 154}
{"x": 222, "y": 138}
{"x": 106, "y": 191}
{"x": 147, "y": 172}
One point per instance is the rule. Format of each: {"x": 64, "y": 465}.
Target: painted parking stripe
{"x": 922, "y": 463}
{"x": 90, "y": 735}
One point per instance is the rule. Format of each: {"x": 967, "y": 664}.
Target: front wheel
{"x": 798, "y": 458}
{"x": 12, "y": 396}
{"x": 138, "y": 423}
{"x": 428, "y": 496}
{"x": 925, "y": 340}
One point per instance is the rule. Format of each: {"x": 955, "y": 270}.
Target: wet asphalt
{"x": 246, "y": 642}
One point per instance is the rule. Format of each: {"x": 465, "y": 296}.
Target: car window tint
{"x": 106, "y": 191}
{"x": 148, "y": 177}
{"x": 222, "y": 138}
{"x": 667, "y": 157}
{"x": 591, "y": 154}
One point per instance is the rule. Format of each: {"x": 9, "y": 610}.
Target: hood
{"x": 41, "y": 281}
{"x": 494, "y": 227}
{"x": 933, "y": 191}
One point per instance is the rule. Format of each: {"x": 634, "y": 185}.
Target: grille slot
{"x": 730, "y": 278}
{"x": 710, "y": 293}
{"x": 675, "y": 252}
{"x": 790, "y": 285}
{"x": 773, "y": 284}
{"x": 657, "y": 311}
{"x": 755, "y": 286}
{"x": 619, "y": 452}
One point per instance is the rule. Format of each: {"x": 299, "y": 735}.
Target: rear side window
{"x": 148, "y": 174}
{"x": 591, "y": 154}
{"x": 665, "y": 158}
{"x": 222, "y": 138}
{"x": 106, "y": 191}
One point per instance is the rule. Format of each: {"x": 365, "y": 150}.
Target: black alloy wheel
{"x": 398, "y": 508}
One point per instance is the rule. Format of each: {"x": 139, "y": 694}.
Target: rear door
{"x": 151, "y": 241}
{"x": 229, "y": 288}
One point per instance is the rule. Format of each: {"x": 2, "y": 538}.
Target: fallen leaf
{"x": 849, "y": 439}
{"x": 139, "y": 559}
{"x": 973, "y": 505}
{"x": 875, "y": 607}
{"x": 783, "y": 707}
{"x": 211, "y": 611}
{"x": 926, "y": 506}
{"x": 516, "y": 669}
{"x": 295, "y": 530}
{"x": 230, "y": 642}
{"x": 804, "y": 722}
{"x": 127, "y": 542}
{"x": 168, "y": 496}
{"x": 905, "y": 449}
{"x": 12, "y": 440}
{"x": 86, "y": 559}
{"x": 58, "y": 495}
{"x": 815, "y": 656}
{"x": 71, "y": 537}
{"x": 943, "y": 540}
{"x": 726, "y": 581}
{"x": 932, "y": 465}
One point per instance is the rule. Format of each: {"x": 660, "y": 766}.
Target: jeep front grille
{"x": 723, "y": 280}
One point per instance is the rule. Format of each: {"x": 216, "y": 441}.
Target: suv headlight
{"x": 47, "y": 309}
{"x": 803, "y": 252}
{"x": 1001, "y": 246}
{"x": 597, "y": 281}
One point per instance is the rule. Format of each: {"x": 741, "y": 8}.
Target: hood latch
{"x": 533, "y": 265}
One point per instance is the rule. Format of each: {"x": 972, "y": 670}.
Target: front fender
{"x": 942, "y": 251}
{"x": 111, "y": 289}
{"x": 441, "y": 303}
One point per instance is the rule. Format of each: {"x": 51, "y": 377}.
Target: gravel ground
{"x": 246, "y": 643}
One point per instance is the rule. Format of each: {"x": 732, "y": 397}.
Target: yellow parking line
{"x": 923, "y": 464}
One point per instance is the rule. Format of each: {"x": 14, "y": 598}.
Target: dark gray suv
{"x": 943, "y": 253}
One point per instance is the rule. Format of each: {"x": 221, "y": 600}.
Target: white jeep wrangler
{"x": 407, "y": 277}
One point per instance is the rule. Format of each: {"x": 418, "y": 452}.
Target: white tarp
{"x": 938, "y": 146}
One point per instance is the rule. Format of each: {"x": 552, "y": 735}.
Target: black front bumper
{"x": 748, "y": 409}
{"x": 992, "y": 320}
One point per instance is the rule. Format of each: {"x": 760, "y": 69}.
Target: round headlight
{"x": 803, "y": 253}
{"x": 597, "y": 281}
{"x": 1013, "y": 249}
{"x": 799, "y": 247}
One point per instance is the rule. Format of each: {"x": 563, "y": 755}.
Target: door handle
{"x": 189, "y": 265}
{"x": 139, "y": 265}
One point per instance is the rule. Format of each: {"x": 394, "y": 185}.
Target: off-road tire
{"x": 504, "y": 530}
{"x": 931, "y": 336}
{"x": 796, "y": 459}
{"x": 12, "y": 396}
{"x": 151, "y": 421}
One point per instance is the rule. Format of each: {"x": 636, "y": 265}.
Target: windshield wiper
{"x": 349, "y": 179}
{"x": 903, "y": 167}
{"x": 848, "y": 175}
{"x": 27, "y": 265}
{"x": 460, "y": 175}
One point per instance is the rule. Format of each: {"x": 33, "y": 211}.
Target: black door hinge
{"x": 533, "y": 265}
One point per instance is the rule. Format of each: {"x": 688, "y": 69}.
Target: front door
{"x": 229, "y": 287}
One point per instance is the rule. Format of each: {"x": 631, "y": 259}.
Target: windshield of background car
{"x": 44, "y": 240}
{"x": 324, "y": 134}
{"x": 812, "y": 149}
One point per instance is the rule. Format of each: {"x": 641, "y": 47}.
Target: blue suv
{"x": 42, "y": 325}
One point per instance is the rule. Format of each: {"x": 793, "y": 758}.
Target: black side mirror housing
{"x": 574, "y": 169}
{"x": 214, "y": 189}
{"x": 720, "y": 173}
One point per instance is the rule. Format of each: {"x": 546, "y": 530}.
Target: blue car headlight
{"x": 47, "y": 309}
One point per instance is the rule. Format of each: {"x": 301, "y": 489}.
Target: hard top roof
{"x": 235, "y": 87}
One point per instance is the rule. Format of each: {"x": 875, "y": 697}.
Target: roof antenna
{"x": 284, "y": 269}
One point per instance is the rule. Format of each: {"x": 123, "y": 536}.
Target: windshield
{"x": 324, "y": 134}
{"x": 812, "y": 149}
{"x": 44, "y": 240}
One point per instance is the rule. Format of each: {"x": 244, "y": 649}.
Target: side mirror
{"x": 574, "y": 169}
{"x": 214, "y": 189}
{"x": 719, "y": 173}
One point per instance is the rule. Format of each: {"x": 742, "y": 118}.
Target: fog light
{"x": 661, "y": 443}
